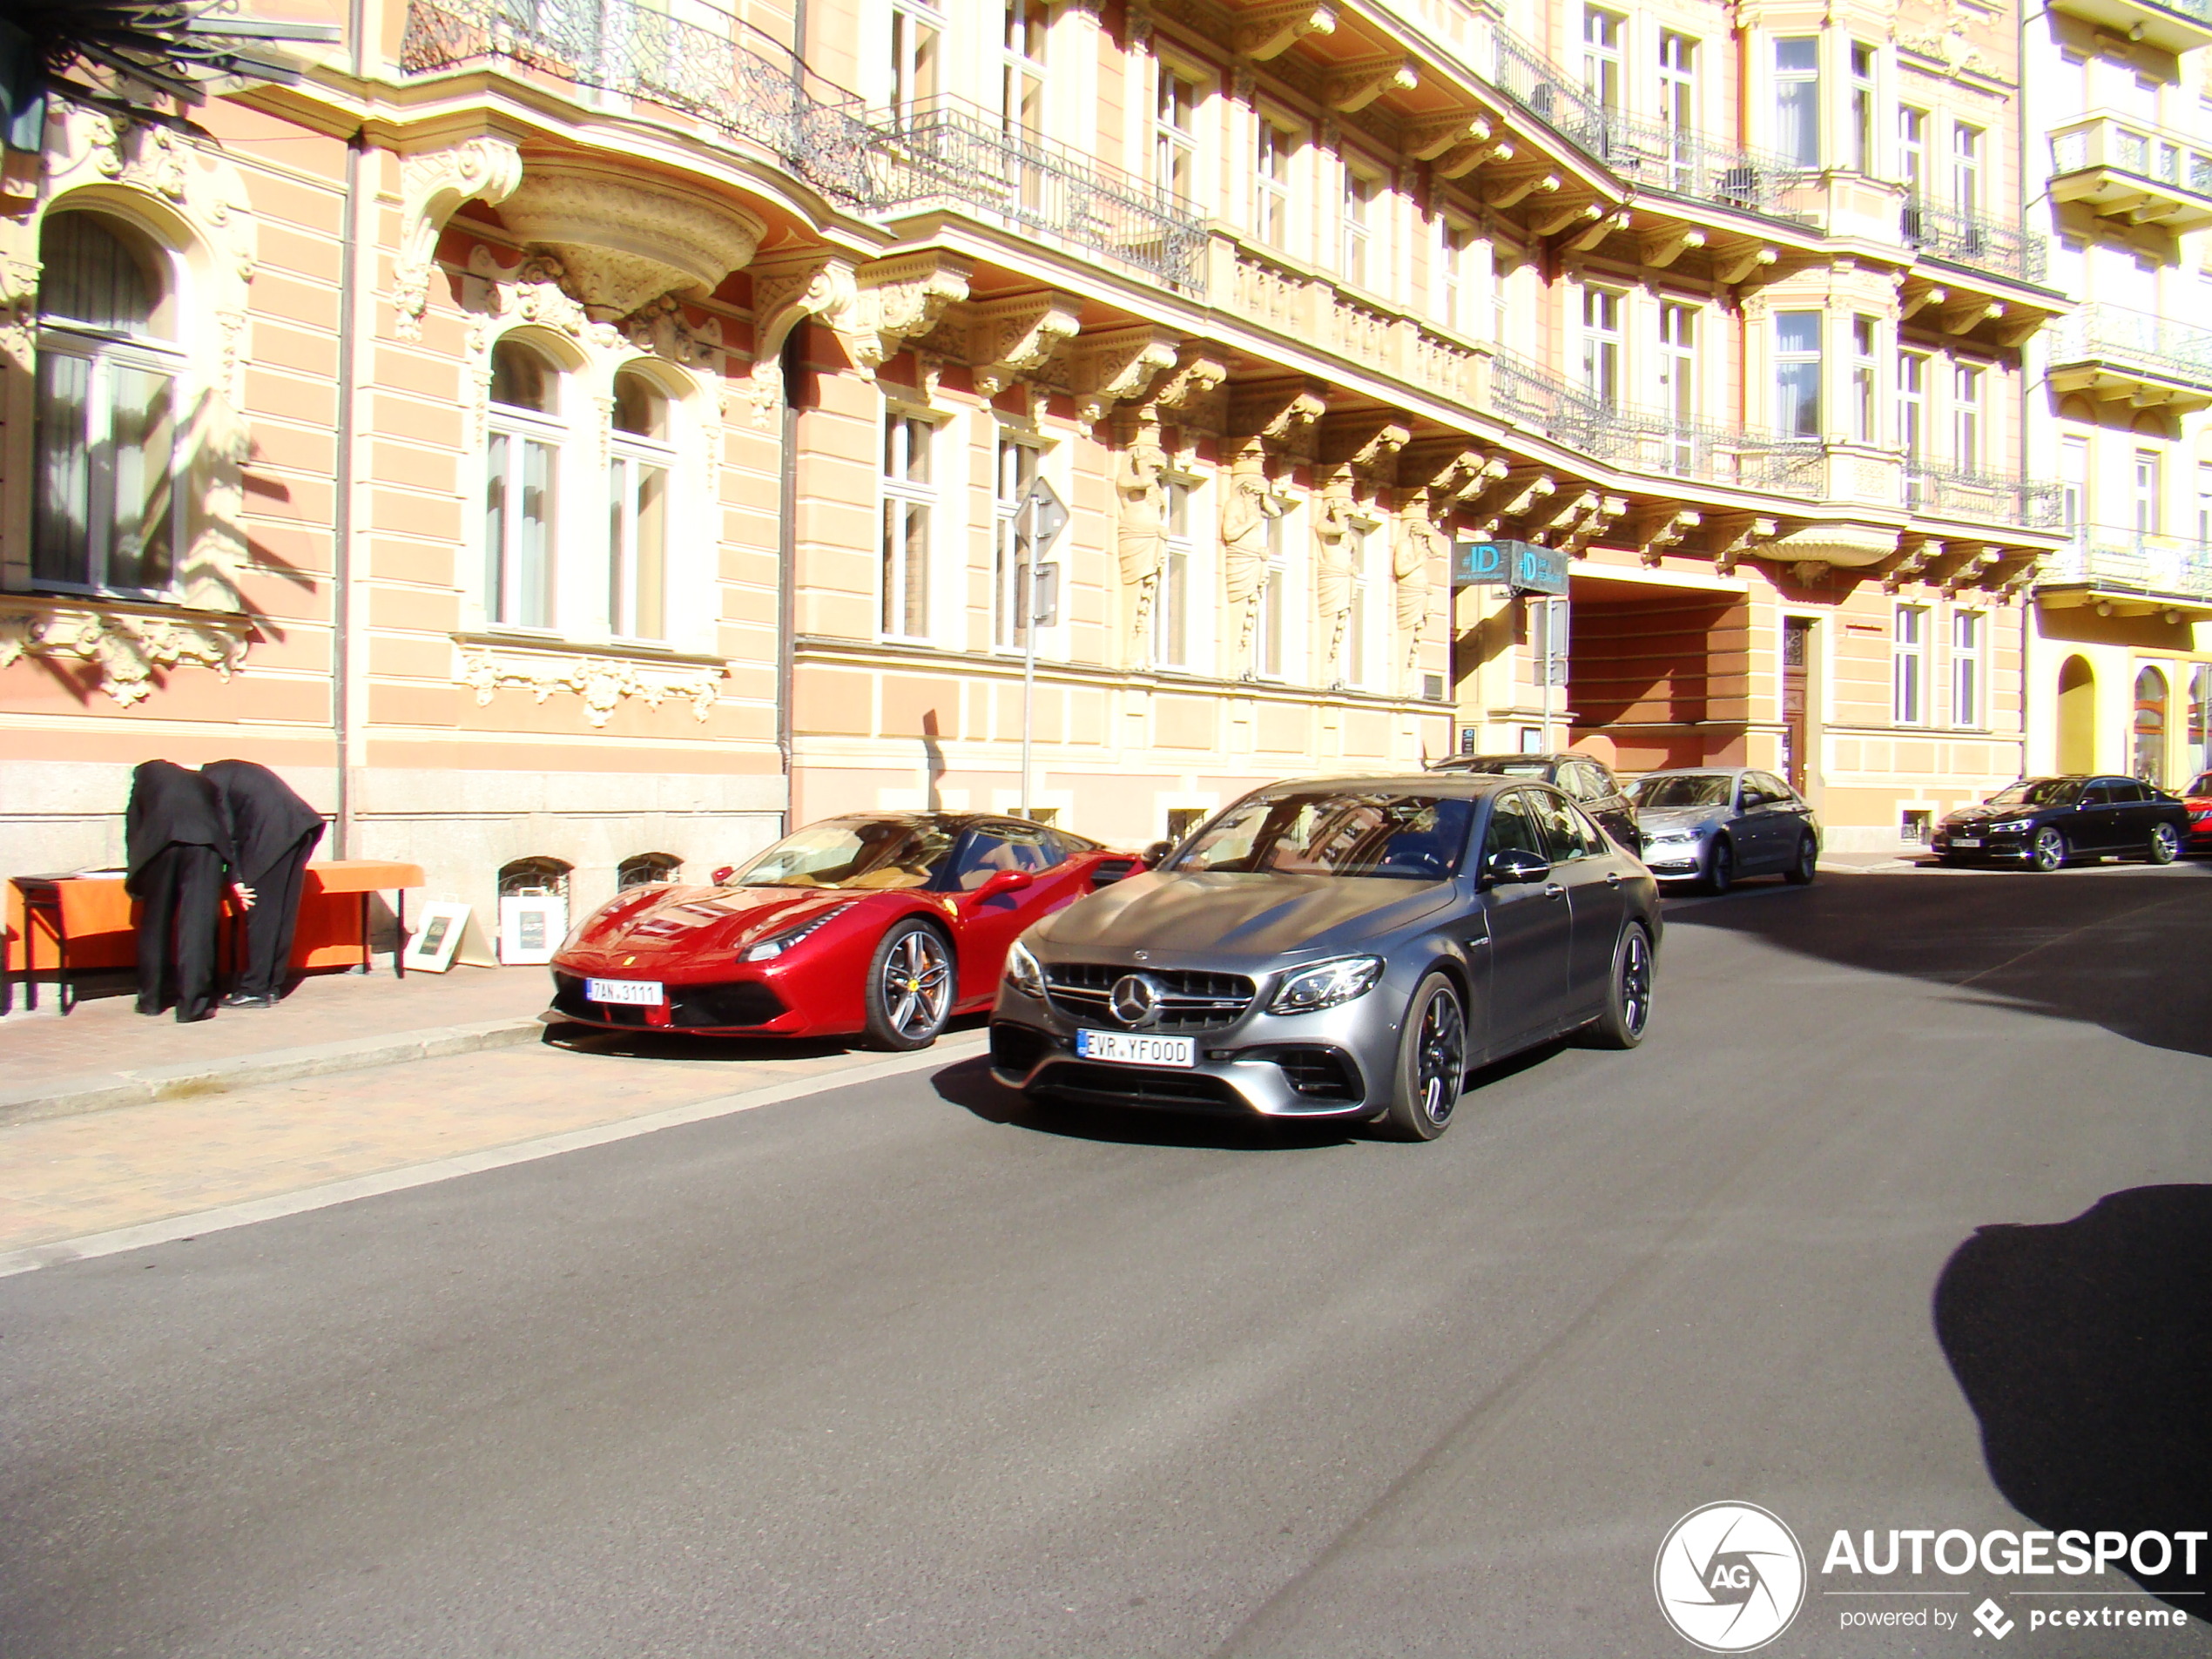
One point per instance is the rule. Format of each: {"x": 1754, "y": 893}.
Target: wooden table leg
{"x": 368, "y": 964}
{"x": 399, "y": 945}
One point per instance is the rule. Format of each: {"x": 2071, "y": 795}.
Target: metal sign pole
{"x": 1025, "y": 583}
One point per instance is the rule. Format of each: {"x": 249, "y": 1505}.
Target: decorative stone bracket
{"x": 895, "y": 301}
{"x": 1113, "y": 365}
{"x": 127, "y": 648}
{"x": 1273, "y": 31}
{"x": 433, "y": 185}
{"x": 602, "y": 680}
{"x": 1007, "y": 340}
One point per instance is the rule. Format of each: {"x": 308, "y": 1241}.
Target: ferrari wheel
{"x": 1432, "y": 1062}
{"x": 2165, "y": 844}
{"x": 910, "y": 987}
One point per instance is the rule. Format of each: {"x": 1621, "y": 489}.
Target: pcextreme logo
{"x": 1729, "y": 1577}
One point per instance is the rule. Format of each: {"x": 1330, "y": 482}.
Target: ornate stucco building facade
{"x": 571, "y": 438}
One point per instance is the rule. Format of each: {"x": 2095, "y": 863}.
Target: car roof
{"x": 1469, "y": 784}
{"x": 1550, "y": 758}
{"x": 1701, "y": 772}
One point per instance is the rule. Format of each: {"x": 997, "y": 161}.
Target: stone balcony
{"x": 2133, "y": 171}
{"x": 2128, "y": 573}
{"x": 2115, "y": 355}
{"x": 2171, "y": 26}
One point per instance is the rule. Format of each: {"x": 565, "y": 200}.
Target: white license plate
{"x": 1965, "y": 840}
{"x": 642, "y": 992}
{"x": 1132, "y": 1048}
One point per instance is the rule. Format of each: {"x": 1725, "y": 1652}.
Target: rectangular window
{"x": 1909, "y": 665}
{"x": 1356, "y": 260}
{"x": 1359, "y": 657}
{"x": 637, "y": 541}
{"x": 1796, "y": 99}
{"x": 2074, "y": 482}
{"x": 1602, "y": 344}
{"x": 1454, "y": 259}
{"x": 916, "y": 27}
{"x": 1862, "y": 377}
{"x": 1601, "y": 56}
{"x": 1171, "y": 607}
{"x": 106, "y": 451}
{"x": 2203, "y": 505}
{"x": 1271, "y": 641}
{"x": 909, "y": 499}
{"x": 518, "y": 530}
{"x": 1862, "y": 108}
{"x": 1022, "y": 66}
{"x": 1965, "y": 415}
{"x": 1272, "y": 149}
{"x": 1678, "y": 380}
{"x": 1677, "y": 82}
{"x": 1175, "y": 135}
{"x": 1912, "y": 402}
{"x": 1011, "y": 552}
{"x": 1966, "y": 168}
{"x": 1966, "y": 668}
{"x": 1797, "y": 373}
{"x": 2146, "y": 492}
{"x": 1913, "y": 164}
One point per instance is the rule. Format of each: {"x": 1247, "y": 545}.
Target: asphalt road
{"x": 908, "y": 1369}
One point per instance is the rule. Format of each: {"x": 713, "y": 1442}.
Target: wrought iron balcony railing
{"x": 1972, "y": 239}
{"x": 1652, "y": 441}
{"x": 734, "y": 78}
{"x": 1531, "y": 80}
{"x": 947, "y": 152}
{"x": 1942, "y": 492}
{"x": 2133, "y": 562}
{"x": 2134, "y": 340}
{"x": 2143, "y": 152}
{"x": 1657, "y": 157}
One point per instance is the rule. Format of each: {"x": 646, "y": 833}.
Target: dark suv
{"x": 1589, "y": 782}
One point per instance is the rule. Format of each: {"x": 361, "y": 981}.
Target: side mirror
{"x": 1511, "y": 866}
{"x": 1001, "y": 881}
{"x": 1155, "y": 853}
{"x": 1107, "y": 872}
{"x": 722, "y": 874}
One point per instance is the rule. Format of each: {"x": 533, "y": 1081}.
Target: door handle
{"x": 1612, "y": 878}
{"x": 1555, "y": 891}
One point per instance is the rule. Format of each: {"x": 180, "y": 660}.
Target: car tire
{"x": 910, "y": 987}
{"x": 1720, "y": 866}
{"x": 1432, "y": 1062}
{"x": 1628, "y": 993}
{"x": 1806, "y": 864}
{"x": 2048, "y": 851}
{"x": 2165, "y": 844}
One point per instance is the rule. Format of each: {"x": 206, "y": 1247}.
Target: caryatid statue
{"x": 1419, "y": 543}
{"x": 1141, "y": 526}
{"x": 1246, "y": 506}
{"x": 1335, "y": 569}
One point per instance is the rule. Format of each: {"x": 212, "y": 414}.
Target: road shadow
{"x": 710, "y": 1051}
{"x": 2123, "y": 948}
{"x": 970, "y": 1085}
{"x": 2085, "y": 1349}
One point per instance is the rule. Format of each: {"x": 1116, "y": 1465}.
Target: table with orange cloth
{"x": 73, "y": 923}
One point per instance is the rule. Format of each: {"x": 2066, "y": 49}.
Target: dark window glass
{"x": 2097, "y": 794}
{"x": 1564, "y": 833}
{"x": 1514, "y": 828}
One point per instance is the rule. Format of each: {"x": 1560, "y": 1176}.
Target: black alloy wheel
{"x": 1432, "y": 1062}
{"x": 2048, "y": 852}
{"x": 1720, "y": 866}
{"x": 909, "y": 987}
{"x": 2165, "y": 844}
{"x": 1628, "y": 1001}
{"x": 1806, "y": 864}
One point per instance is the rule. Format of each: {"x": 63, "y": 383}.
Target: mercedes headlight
{"x": 775, "y": 945}
{"x": 1022, "y": 972}
{"x": 1326, "y": 984}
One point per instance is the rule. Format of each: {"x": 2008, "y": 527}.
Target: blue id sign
{"x": 1522, "y": 566}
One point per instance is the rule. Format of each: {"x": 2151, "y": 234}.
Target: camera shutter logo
{"x": 1729, "y": 1577}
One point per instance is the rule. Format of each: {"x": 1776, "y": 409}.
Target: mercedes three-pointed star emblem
{"x": 1136, "y": 999}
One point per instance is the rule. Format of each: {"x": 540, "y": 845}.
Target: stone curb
{"x": 102, "y": 1092}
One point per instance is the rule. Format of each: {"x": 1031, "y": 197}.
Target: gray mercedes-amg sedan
{"x": 1340, "y": 947}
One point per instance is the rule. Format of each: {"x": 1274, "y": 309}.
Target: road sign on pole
{"x": 1047, "y": 513}
{"x": 1038, "y": 522}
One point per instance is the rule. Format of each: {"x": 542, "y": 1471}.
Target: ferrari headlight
{"x": 2010, "y": 825}
{"x": 775, "y": 945}
{"x": 1326, "y": 984}
{"x": 1022, "y": 972}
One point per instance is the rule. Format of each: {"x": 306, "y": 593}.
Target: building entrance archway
{"x": 2077, "y": 716}
{"x": 2146, "y": 756}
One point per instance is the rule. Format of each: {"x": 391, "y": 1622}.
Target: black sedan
{"x": 1344, "y": 948}
{"x": 2041, "y": 823}
{"x": 1591, "y": 783}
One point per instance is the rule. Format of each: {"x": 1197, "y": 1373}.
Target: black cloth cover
{"x": 181, "y": 907}
{"x": 274, "y": 917}
{"x": 267, "y": 820}
{"x": 170, "y": 807}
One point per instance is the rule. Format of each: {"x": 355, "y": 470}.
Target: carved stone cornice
{"x": 1658, "y": 529}
{"x": 1367, "y": 441}
{"x": 127, "y": 648}
{"x": 1358, "y": 86}
{"x": 1280, "y": 414}
{"x": 1111, "y": 366}
{"x": 1452, "y": 470}
{"x": 433, "y": 185}
{"x": 1272, "y": 31}
{"x": 1004, "y": 340}
{"x": 785, "y": 291}
{"x": 895, "y": 301}
{"x": 1736, "y": 536}
{"x": 1189, "y": 393}
{"x": 603, "y": 680}
{"x": 1430, "y": 137}
{"x": 626, "y": 238}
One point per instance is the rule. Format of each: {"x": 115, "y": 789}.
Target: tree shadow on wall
{"x": 2085, "y": 1349}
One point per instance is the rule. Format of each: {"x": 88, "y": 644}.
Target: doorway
{"x": 1796, "y": 721}
{"x": 2077, "y": 716}
{"x": 2148, "y": 759}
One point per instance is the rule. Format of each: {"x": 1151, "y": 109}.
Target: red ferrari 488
{"x": 886, "y": 924}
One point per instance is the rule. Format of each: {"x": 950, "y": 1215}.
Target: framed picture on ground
{"x": 437, "y": 935}
{"x": 531, "y": 929}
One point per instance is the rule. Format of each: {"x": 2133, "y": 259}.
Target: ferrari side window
{"x": 1007, "y": 846}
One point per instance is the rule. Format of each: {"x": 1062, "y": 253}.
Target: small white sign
{"x": 531, "y": 930}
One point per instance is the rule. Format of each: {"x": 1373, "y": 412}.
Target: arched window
{"x": 647, "y": 869}
{"x": 2149, "y": 754}
{"x": 104, "y": 513}
{"x": 521, "y": 462}
{"x": 640, "y": 464}
{"x": 537, "y": 877}
{"x": 2077, "y": 716}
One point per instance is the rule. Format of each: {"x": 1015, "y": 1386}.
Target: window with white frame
{"x": 1678, "y": 378}
{"x": 525, "y": 435}
{"x": 1913, "y": 164}
{"x": 1797, "y": 373}
{"x": 641, "y": 461}
{"x": 1360, "y": 655}
{"x": 1455, "y": 255}
{"x": 1862, "y": 107}
{"x": 104, "y": 502}
{"x": 1913, "y": 402}
{"x": 1967, "y": 628}
{"x": 917, "y": 37}
{"x": 1966, "y": 168}
{"x": 910, "y": 497}
{"x": 1909, "y": 667}
{"x": 1175, "y": 134}
{"x": 2147, "y": 490}
{"x": 1796, "y": 99}
{"x": 1862, "y": 377}
{"x": 1274, "y": 150}
{"x": 1271, "y": 642}
{"x": 1022, "y": 66}
{"x": 2203, "y": 505}
{"x": 1601, "y": 76}
{"x": 1602, "y": 344}
{"x": 1965, "y": 415}
{"x": 1012, "y": 556}
{"x": 1171, "y": 641}
{"x": 1358, "y": 260}
{"x": 1678, "y": 83}
{"x": 2074, "y": 482}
